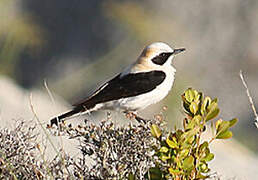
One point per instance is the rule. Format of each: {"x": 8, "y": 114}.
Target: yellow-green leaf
{"x": 193, "y": 107}
{"x": 201, "y": 176}
{"x": 155, "y": 131}
{"x": 212, "y": 106}
{"x": 232, "y": 122}
{"x": 189, "y": 95}
{"x": 188, "y": 163}
{"x": 212, "y": 114}
{"x": 174, "y": 171}
{"x": 203, "y": 146}
{"x": 164, "y": 157}
{"x": 224, "y": 135}
{"x": 215, "y": 100}
{"x": 189, "y": 135}
{"x": 171, "y": 143}
{"x": 195, "y": 93}
{"x": 209, "y": 157}
{"x": 154, "y": 173}
{"x": 163, "y": 149}
{"x": 183, "y": 153}
{"x": 197, "y": 98}
{"x": 218, "y": 123}
{"x": 193, "y": 122}
{"x": 203, "y": 167}
{"x": 205, "y": 104}
{"x": 131, "y": 176}
{"x": 222, "y": 126}
{"x": 197, "y": 119}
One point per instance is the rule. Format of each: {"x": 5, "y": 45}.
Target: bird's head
{"x": 156, "y": 56}
{"x": 159, "y": 53}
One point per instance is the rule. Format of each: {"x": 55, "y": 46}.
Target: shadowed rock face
{"x": 76, "y": 28}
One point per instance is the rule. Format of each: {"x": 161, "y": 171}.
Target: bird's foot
{"x": 132, "y": 115}
{"x": 140, "y": 119}
{"x": 54, "y": 121}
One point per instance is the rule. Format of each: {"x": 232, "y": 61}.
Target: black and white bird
{"x": 145, "y": 82}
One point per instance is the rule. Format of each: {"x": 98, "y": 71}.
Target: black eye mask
{"x": 161, "y": 58}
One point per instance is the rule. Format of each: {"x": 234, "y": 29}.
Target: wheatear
{"x": 145, "y": 82}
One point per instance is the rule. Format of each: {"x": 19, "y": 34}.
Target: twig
{"x": 61, "y": 140}
{"x": 41, "y": 125}
{"x": 49, "y": 93}
{"x": 250, "y": 99}
{"x": 45, "y": 132}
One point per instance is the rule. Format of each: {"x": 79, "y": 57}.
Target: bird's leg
{"x": 133, "y": 115}
{"x": 130, "y": 115}
{"x": 140, "y": 119}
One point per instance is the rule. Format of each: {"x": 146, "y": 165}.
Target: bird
{"x": 146, "y": 81}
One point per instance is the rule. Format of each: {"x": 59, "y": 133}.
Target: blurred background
{"x": 75, "y": 45}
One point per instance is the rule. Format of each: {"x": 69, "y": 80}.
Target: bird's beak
{"x": 177, "y": 51}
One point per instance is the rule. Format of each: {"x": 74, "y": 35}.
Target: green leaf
{"x": 131, "y": 176}
{"x": 215, "y": 100}
{"x": 186, "y": 107}
{"x": 221, "y": 126}
{"x": 163, "y": 149}
{"x": 197, "y": 98}
{"x": 201, "y": 176}
{"x": 154, "y": 173}
{"x": 212, "y": 106}
{"x": 179, "y": 133}
{"x": 187, "y": 144}
{"x": 171, "y": 143}
{"x": 183, "y": 153}
{"x": 205, "y": 104}
{"x": 189, "y": 95}
{"x": 232, "y": 122}
{"x": 209, "y": 157}
{"x": 195, "y": 121}
{"x": 190, "y": 125}
{"x": 174, "y": 171}
{"x": 212, "y": 114}
{"x": 203, "y": 146}
{"x": 195, "y": 93}
{"x": 218, "y": 123}
{"x": 193, "y": 107}
{"x": 164, "y": 157}
{"x": 188, "y": 163}
{"x": 224, "y": 135}
{"x": 189, "y": 137}
{"x": 203, "y": 167}
{"x": 190, "y": 133}
{"x": 155, "y": 131}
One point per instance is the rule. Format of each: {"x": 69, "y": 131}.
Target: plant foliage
{"x": 182, "y": 154}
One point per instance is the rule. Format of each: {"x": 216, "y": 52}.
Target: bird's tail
{"x": 65, "y": 115}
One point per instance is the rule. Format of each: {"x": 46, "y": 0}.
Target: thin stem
{"x": 250, "y": 98}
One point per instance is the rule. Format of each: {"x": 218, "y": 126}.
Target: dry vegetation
{"x": 142, "y": 150}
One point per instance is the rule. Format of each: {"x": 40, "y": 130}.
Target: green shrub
{"x": 182, "y": 154}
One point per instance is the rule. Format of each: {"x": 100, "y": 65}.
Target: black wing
{"x": 122, "y": 87}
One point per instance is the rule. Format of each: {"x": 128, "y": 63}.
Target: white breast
{"x": 156, "y": 95}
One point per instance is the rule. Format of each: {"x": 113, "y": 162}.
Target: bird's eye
{"x": 163, "y": 54}
{"x": 161, "y": 58}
